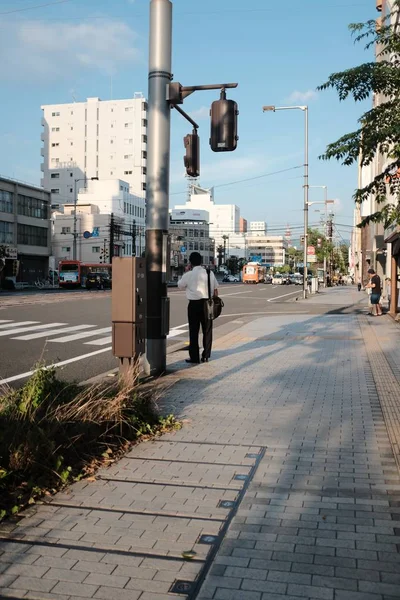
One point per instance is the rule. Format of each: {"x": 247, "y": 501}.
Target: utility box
{"x": 128, "y": 306}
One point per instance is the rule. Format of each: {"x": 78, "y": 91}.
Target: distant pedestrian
{"x": 376, "y": 290}
{"x": 388, "y": 283}
{"x": 195, "y": 282}
{"x": 359, "y": 285}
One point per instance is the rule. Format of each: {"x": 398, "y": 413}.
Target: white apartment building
{"x": 103, "y": 139}
{"x": 224, "y": 218}
{"x": 258, "y": 227}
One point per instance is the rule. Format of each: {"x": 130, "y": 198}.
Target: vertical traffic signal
{"x": 223, "y": 124}
{"x": 191, "y": 160}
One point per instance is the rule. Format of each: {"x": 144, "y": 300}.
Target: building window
{"x": 55, "y": 129}
{"x": 111, "y": 172}
{"x": 55, "y": 191}
{"x": 6, "y": 201}
{"x": 66, "y": 249}
{"x": 190, "y": 245}
{"x": 201, "y": 246}
{"x": 70, "y": 190}
{"x": 144, "y": 139}
{"x": 55, "y": 114}
{"x": 55, "y": 144}
{"x": 72, "y": 143}
{"x": 96, "y": 249}
{"x": 128, "y": 108}
{"x": 128, "y": 125}
{"x": 190, "y": 233}
{"x": 127, "y": 172}
{"x": 144, "y": 122}
{"x": 72, "y": 128}
{"x": 71, "y": 174}
{"x": 196, "y": 245}
{"x": 144, "y": 187}
{"x": 65, "y": 230}
{"x": 72, "y": 112}
{"x": 144, "y": 106}
{"x": 6, "y": 232}
{"x": 127, "y": 156}
{"x": 144, "y": 154}
{"x": 196, "y": 233}
{"x": 32, "y": 207}
{"x": 144, "y": 170}
{"x": 111, "y": 141}
{"x": 124, "y": 207}
{"x": 55, "y": 160}
{"x": 32, "y": 236}
{"x": 55, "y": 176}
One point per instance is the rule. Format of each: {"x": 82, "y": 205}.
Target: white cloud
{"x": 306, "y": 96}
{"x": 200, "y": 113}
{"x": 42, "y": 51}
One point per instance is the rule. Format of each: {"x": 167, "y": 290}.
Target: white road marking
{"x": 283, "y": 296}
{"x": 59, "y": 364}
{"x": 174, "y": 333}
{"x": 18, "y": 324}
{"x": 100, "y": 342}
{"x": 41, "y": 334}
{"x": 32, "y": 328}
{"x": 180, "y": 326}
{"x": 269, "y": 312}
{"x": 5, "y": 320}
{"x": 79, "y": 336}
{"x": 236, "y": 293}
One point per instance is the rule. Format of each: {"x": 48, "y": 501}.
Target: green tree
{"x": 295, "y": 256}
{"x": 323, "y": 247}
{"x": 379, "y": 128}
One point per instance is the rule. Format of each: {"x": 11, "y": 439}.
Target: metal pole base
{"x": 155, "y": 362}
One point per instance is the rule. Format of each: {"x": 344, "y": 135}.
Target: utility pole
{"x": 158, "y": 159}
{"x": 111, "y": 237}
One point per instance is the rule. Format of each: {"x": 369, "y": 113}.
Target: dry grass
{"x": 53, "y": 432}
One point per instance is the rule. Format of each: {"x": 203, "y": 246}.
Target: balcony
{"x": 42, "y": 136}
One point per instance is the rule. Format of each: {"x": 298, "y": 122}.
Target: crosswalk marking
{"x": 5, "y": 320}
{"x": 34, "y": 336}
{"x": 18, "y": 324}
{"x": 174, "y": 333}
{"x": 32, "y": 328}
{"x": 78, "y": 336}
{"x": 100, "y": 342}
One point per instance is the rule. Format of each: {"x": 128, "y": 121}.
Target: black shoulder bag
{"x": 214, "y": 303}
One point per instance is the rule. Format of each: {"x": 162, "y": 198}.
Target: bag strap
{"x": 209, "y": 283}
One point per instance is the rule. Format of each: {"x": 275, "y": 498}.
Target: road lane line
{"x": 32, "y": 328}
{"x": 100, "y": 342}
{"x": 54, "y": 365}
{"x": 79, "y": 336}
{"x": 19, "y": 324}
{"x": 5, "y": 320}
{"x": 41, "y": 334}
{"x": 173, "y": 333}
{"x": 236, "y": 293}
{"x": 283, "y": 296}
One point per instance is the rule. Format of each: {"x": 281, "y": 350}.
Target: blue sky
{"x": 277, "y": 55}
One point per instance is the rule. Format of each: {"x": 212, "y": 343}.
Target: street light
{"x": 75, "y": 203}
{"x": 305, "y": 110}
{"x": 326, "y": 202}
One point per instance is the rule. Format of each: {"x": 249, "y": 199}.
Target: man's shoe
{"x": 194, "y": 362}
{"x": 203, "y": 360}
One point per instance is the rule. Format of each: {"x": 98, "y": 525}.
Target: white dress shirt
{"x": 195, "y": 283}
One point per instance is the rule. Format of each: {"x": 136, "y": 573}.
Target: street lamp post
{"x": 306, "y": 186}
{"x": 75, "y": 234}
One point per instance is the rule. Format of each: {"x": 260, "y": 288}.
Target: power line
{"x": 16, "y": 10}
{"x": 219, "y": 185}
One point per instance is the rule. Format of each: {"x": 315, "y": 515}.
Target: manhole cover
{"x": 240, "y": 477}
{"x": 181, "y": 587}
{"x": 226, "y": 504}
{"x": 208, "y": 539}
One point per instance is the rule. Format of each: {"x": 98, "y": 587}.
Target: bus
{"x": 73, "y": 273}
{"x": 254, "y": 273}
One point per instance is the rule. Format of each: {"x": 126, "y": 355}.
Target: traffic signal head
{"x": 223, "y": 125}
{"x": 192, "y": 158}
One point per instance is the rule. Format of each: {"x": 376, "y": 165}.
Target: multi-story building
{"x": 103, "y": 139}
{"x": 258, "y": 227}
{"x": 224, "y": 218}
{"x": 269, "y": 250}
{"x": 190, "y": 231}
{"x": 242, "y": 225}
{"x": 25, "y": 229}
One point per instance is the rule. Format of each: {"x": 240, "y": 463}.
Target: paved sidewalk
{"x": 283, "y": 480}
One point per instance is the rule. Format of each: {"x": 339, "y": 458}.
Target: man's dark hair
{"x": 371, "y": 271}
{"x": 195, "y": 259}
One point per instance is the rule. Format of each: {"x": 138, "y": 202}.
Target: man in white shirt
{"x": 195, "y": 282}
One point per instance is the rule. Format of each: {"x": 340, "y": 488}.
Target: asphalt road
{"x": 74, "y": 328}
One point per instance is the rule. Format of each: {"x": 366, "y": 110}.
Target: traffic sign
{"x": 310, "y": 250}
{"x": 183, "y": 249}
{"x": 87, "y": 235}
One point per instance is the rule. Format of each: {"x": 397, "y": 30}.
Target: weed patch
{"x": 53, "y": 433}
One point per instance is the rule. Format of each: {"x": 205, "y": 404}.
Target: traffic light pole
{"x": 158, "y": 162}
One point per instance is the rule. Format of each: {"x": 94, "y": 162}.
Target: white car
{"x": 277, "y": 279}
{"x": 230, "y": 279}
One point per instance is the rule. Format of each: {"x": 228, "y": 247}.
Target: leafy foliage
{"x": 378, "y": 134}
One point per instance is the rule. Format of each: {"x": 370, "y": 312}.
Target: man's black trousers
{"x": 197, "y": 315}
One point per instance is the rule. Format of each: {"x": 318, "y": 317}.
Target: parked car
{"x": 99, "y": 281}
{"x": 268, "y": 279}
{"x": 277, "y": 279}
{"x": 230, "y": 279}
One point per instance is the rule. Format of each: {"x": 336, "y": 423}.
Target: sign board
{"x": 190, "y": 215}
{"x": 310, "y": 250}
{"x": 11, "y": 252}
{"x": 312, "y": 258}
{"x": 256, "y": 259}
{"x": 183, "y": 249}
{"x": 87, "y": 235}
